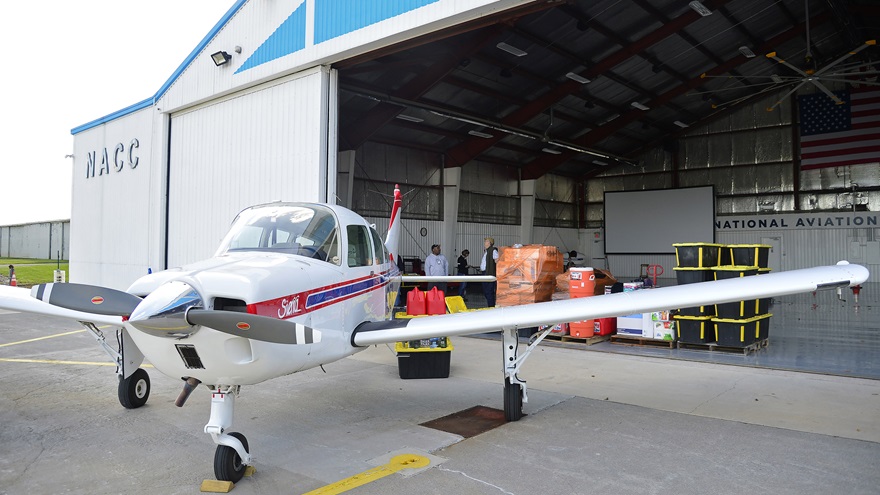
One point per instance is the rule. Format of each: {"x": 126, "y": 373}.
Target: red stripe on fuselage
{"x": 297, "y": 304}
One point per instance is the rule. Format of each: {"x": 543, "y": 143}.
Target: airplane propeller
{"x": 87, "y": 298}
{"x": 254, "y": 326}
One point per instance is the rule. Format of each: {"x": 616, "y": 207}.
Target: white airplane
{"x": 294, "y": 286}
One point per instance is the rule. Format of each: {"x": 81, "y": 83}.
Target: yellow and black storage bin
{"x": 425, "y": 358}
{"x": 694, "y": 329}
{"x": 697, "y": 254}
{"x": 750, "y": 254}
{"x": 690, "y": 275}
{"x": 741, "y": 332}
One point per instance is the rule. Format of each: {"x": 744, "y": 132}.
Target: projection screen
{"x": 650, "y": 222}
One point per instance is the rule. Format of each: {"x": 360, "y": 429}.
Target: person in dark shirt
{"x": 487, "y": 265}
{"x": 462, "y": 270}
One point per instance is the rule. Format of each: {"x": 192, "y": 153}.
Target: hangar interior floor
{"x": 815, "y": 333}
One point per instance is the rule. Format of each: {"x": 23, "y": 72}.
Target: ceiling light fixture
{"x": 410, "y": 118}
{"x": 609, "y": 119}
{"x": 551, "y": 151}
{"x": 746, "y": 51}
{"x": 600, "y": 163}
{"x": 700, "y": 8}
{"x": 775, "y": 78}
{"x": 511, "y": 49}
{"x": 221, "y": 58}
{"x": 680, "y": 124}
{"x": 577, "y": 77}
{"x": 480, "y": 134}
{"x": 638, "y": 105}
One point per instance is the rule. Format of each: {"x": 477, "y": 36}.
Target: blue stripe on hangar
{"x": 334, "y": 18}
{"x": 289, "y": 37}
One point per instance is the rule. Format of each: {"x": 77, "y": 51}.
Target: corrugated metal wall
{"x": 257, "y": 147}
{"x": 36, "y": 240}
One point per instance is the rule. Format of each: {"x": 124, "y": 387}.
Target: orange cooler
{"x": 582, "y": 284}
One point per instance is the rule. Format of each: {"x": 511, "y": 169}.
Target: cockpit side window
{"x": 360, "y": 252}
{"x": 381, "y": 253}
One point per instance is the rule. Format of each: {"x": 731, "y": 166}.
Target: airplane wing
{"x": 447, "y": 278}
{"x": 19, "y": 299}
{"x": 623, "y": 303}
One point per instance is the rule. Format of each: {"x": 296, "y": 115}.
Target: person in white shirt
{"x": 436, "y": 265}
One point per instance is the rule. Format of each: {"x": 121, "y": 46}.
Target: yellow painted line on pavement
{"x": 406, "y": 461}
{"x": 56, "y": 361}
{"x": 42, "y": 338}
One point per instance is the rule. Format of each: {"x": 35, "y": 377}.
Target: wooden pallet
{"x": 585, "y": 340}
{"x": 713, "y": 347}
{"x": 641, "y": 341}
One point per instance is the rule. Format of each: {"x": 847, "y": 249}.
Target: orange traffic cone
{"x": 13, "y": 282}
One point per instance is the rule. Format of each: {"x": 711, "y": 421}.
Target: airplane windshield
{"x": 309, "y": 231}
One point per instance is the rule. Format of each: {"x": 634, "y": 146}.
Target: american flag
{"x": 834, "y": 135}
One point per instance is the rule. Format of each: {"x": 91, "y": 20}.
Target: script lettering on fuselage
{"x": 289, "y": 307}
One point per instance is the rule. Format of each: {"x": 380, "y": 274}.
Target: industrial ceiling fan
{"x": 835, "y": 71}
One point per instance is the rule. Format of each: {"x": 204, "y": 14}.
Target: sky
{"x": 68, "y": 62}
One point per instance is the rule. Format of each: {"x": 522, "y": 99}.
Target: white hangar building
{"x": 509, "y": 118}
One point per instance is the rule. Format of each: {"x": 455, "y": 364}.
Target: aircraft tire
{"x": 135, "y": 390}
{"x": 512, "y": 401}
{"x": 227, "y": 462}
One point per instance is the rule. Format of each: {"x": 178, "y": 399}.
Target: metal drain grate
{"x": 470, "y": 422}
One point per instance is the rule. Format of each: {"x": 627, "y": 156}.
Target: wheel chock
{"x": 249, "y": 471}
{"x": 216, "y": 486}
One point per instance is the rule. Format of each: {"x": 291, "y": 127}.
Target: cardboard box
{"x": 631, "y": 325}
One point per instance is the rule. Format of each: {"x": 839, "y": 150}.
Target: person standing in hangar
{"x": 487, "y": 265}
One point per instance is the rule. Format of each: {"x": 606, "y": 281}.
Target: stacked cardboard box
{"x": 527, "y": 274}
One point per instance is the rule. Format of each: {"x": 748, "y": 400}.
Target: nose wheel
{"x": 228, "y": 465}
{"x": 135, "y": 390}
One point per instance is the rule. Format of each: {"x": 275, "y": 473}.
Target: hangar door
{"x": 265, "y": 144}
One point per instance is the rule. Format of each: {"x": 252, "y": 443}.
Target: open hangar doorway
{"x": 576, "y": 90}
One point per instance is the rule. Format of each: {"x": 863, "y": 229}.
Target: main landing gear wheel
{"x": 227, "y": 462}
{"x": 134, "y": 390}
{"x": 513, "y": 401}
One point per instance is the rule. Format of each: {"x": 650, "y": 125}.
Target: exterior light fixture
{"x": 480, "y": 134}
{"x": 511, "y": 49}
{"x": 746, "y": 51}
{"x": 577, "y": 77}
{"x": 221, "y": 58}
{"x": 638, "y": 105}
{"x": 700, "y": 8}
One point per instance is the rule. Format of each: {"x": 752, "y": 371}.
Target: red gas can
{"x": 435, "y": 301}
{"x": 415, "y": 302}
{"x": 606, "y": 326}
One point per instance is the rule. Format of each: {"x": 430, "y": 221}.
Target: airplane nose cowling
{"x": 163, "y": 312}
